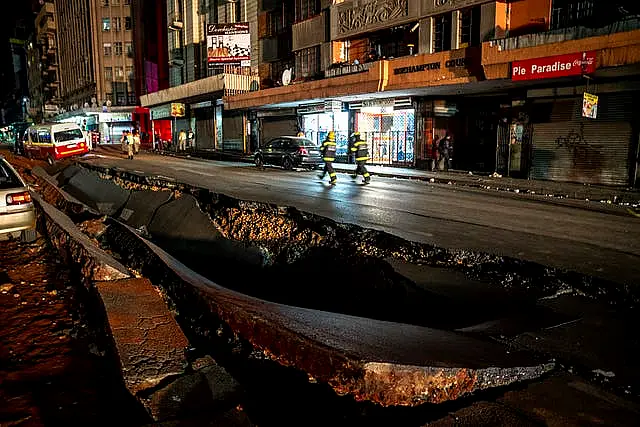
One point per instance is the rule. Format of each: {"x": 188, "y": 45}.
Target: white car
{"x": 17, "y": 212}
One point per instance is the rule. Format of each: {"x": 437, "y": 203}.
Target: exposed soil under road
{"x": 53, "y": 371}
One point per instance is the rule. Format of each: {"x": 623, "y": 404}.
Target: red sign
{"x": 572, "y": 64}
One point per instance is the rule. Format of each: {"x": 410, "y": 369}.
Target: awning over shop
{"x": 185, "y": 92}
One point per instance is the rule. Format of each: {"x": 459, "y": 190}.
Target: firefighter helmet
{"x": 331, "y": 136}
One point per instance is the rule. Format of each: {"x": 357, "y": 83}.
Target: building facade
{"x": 204, "y": 64}
{"x": 506, "y": 79}
{"x": 44, "y": 76}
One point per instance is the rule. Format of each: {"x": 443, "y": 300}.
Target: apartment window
{"x": 129, "y": 72}
{"x": 442, "y": 32}
{"x": 107, "y": 49}
{"x": 106, "y": 24}
{"x": 108, "y": 73}
{"x": 115, "y": 2}
{"x": 571, "y": 13}
{"x": 129, "y": 48}
{"x": 274, "y": 23}
{"x": 127, "y": 2}
{"x": 117, "y": 48}
{"x": 117, "y": 23}
{"x": 128, "y": 24}
{"x": 119, "y": 72}
{"x": 306, "y": 9}
{"x": 132, "y": 98}
{"x": 105, "y": 3}
{"x": 308, "y": 62}
{"x": 470, "y": 27}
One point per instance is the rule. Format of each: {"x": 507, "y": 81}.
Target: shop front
{"x": 204, "y": 124}
{"x": 317, "y": 120}
{"x": 112, "y": 125}
{"x": 166, "y": 122}
{"x": 388, "y": 125}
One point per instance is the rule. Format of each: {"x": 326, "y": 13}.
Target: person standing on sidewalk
{"x": 329, "y": 156}
{"x": 190, "y": 137}
{"x": 446, "y": 146}
{"x": 361, "y": 151}
{"x": 182, "y": 140}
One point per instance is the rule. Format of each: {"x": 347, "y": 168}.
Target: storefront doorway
{"x": 390, "y": 134}
{"x": 317, "y": 126}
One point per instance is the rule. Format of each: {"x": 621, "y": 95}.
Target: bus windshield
{"x": 68, "y": 135}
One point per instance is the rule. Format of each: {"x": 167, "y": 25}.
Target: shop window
{"x": 106, "y": 47}
{"x": 571, "y": 13}
{"x": 117, "y": 48}
{"x": 106, "y": 24}
{"x": 128, "y": 24}
{"x": 470, "y": 27}
{"x": 117, "y": 23}
{"x": 108, "y": 73}
{"x": 442, "y": 33}
{"x": 308, "y": 62}
{"x": 306, "y": 9}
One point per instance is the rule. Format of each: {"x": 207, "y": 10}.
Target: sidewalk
{"x": 609, "y": 195}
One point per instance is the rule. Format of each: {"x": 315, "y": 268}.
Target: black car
{"x": 289, "y": 152}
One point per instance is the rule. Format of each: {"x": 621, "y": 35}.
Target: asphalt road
{"x": 592, "y": 242}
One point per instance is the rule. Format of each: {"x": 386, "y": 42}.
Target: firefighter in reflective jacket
{"x": 360, "y": 150}
{"x": 328, "y": 156}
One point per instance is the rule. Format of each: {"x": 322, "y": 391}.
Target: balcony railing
{"x": 176, "y": 23}
{"x": 565, "y": 34}
{"x": 176, "y": 58}
{"x": 239, "y": 80}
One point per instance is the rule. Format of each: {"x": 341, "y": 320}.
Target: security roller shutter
{"x": 575, "y": 149}
{"x": 274, "y": 127}
{"x": 205, "y": 128}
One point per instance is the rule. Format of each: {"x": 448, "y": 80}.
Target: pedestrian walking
{"x": 446, "y": 147}
{"x": 136, "y": 142}
{"x": 123, "y": 141}
{"x": 182, "y": 140}
{"x": 329, "y": 156}
{"x": 190, "y": 137}
{"x": 130, "y": 145}
{"x": 435, "y": 153}
{"x": 360, "y": 149}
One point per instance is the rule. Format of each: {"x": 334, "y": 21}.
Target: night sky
{"x": 18, "y": 14}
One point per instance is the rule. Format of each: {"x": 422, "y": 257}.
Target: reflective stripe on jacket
{"x": 328, "y": 151}
{"x": 361, "y": 150}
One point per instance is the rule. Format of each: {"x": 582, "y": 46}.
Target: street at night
{"x": 380, "y": 213}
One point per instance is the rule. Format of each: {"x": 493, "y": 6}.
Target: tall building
{"x": 75, "y": 53}
{"x": 44, "y": 84}
{"x": 95, "y": 40}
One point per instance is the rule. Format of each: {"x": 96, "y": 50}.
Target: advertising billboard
{"x": 177, "y": 109}
{"x": 228, "y": 44}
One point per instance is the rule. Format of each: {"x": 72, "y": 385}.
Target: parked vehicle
{"x": 55, "y": 141}
{"x": 289, "y": 152}
{"x": 17, "y": 213}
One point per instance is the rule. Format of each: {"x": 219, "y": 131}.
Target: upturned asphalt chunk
{"x": 384, "y": 362}
{"x": 141, "y": 207}
{"x": 102, "y": 195}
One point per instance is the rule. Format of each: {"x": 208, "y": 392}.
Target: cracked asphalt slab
{"x": 562, "y": 236}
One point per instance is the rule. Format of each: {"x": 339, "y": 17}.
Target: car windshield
{"x": 8, "y": 179}
{"x": 68, "y": 135}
